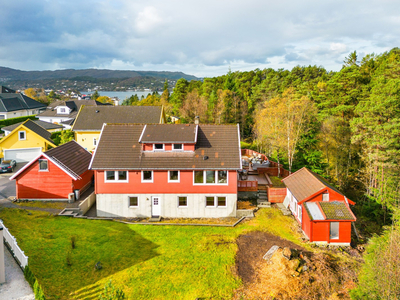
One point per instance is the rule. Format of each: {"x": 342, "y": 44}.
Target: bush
{"x": 11, "y": 121}
{"x": 111, "y": 293}
{"x": 37, "y": 289}
{"x": 62, "y": 137}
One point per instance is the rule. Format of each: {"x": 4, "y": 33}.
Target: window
{"x": 21, "y": 135}
{"x": 210, "y": 201}
{"x": 210, "y": 177}
{"x": 147, "y": 176}
{"x": 215, "y": 201}
{"x": 2, "y": 117}
{"x": 222, "y": 176}
{"x": 116, "y": 176}
{"x": 43, "y": 165}
{"x": 325, "y": 197}
{"x": 177, "y": 147}
{"x": 334, "y": 230}
{"x": 221, "y": 201}
{"x": 182, "y": 201}
{"x": 173, "y": 176}
{"x": 94, "y": 142}
{"x": 133, "y": 201}
{"x": 198, "y": 177}
{"x": 158, "y": 147}
{"x": 62, "y": 109}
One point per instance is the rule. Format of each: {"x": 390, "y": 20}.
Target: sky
{"x": 202, "y": 38}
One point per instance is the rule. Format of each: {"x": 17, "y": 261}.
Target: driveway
{"x": 7, "y": 187}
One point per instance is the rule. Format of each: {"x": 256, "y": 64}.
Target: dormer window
{"x": 62, "y": 110}
{"x": 177, "y": 147}
{"x": 158, "y": 147}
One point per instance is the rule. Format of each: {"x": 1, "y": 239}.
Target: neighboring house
{"x": 13, "y": 105}
{"x": 50, "y": 127}
{"x": 61, "y": 111}
{"x": 168, "y": 170}
{"x": 54, "y": 174}
{"x": 25, "y": 142}
{"x": 322, "y": 211}
{"x": 90, "y": 120}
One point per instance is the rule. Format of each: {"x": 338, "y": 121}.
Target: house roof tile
{"x": 336, "y": 210}
{"x": 72, "y": 156}
{"x": 93, "y": 118}
{"x": 169, "y": 133}
{"x": 45, "y": 125}
{"x": 16, "y": 101}
{"x": 74, "y": 105}
{"x": 217, "y": 147}
{"x": 39, "y": 130}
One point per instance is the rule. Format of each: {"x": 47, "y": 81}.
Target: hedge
{"x": 37, "y": 289}
{"x": 11, "y": 121}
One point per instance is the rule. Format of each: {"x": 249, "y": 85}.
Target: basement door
{"x": 155, "y": 206}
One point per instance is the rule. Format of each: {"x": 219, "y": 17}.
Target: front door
{"x": 155, "y": 206}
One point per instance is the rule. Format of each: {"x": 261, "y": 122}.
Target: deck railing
{"x": 247, "y": 186}
{"x": 13, "y": 245}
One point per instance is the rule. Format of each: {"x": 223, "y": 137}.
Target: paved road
{"x": 7, "y": 187}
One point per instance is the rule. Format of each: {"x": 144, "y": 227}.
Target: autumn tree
{"x": 283, "y": 120}
{"x": 194, "y": 105}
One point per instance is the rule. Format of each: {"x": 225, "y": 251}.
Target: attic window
{"x": 325, "y": 197}
{"x": 62, "y": 109}
{"x": 22, "y": 135}
{"x": 43, "y": 165}
{"x": 177, "y": 147}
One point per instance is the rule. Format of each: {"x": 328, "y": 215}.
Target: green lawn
{"x": 147, "y": 262}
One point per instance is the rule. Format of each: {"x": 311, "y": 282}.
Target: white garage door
{"x": 22, "y": 155}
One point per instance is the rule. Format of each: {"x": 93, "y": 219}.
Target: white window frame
{"x": 154, "y": 147}
{"x": 216, "y": 201}
{"x": 44, "y": 170}
{"x": 129, "y": 202}
{"x": 178, "y": 150}
{"x": 116, "y": 176}
{"x": 169, "y": 176}
{"x": 19, "y": 135}
{"x": 216, "y": 178}
{"x": 182, "y": 206}
{"x": 325, "y": 197}
{"x": 146, "y": 180}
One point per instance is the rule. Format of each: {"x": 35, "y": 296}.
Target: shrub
{"x": 37, "y": 289}
{"x": 111, "y": 293}
{"x": 11, "y": 121}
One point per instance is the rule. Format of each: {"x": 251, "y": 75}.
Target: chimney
{"x": 196, "y": 120}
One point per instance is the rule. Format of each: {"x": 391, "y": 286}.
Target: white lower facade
{"x": 19, "y": 113}
{"x": 165, "y": 205}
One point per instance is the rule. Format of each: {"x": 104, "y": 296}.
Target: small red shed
{"x": 54, "y": 174}
{"x": 322, "y": 211}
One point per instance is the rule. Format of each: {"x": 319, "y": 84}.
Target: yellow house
{"x": 25, "y": 142}
{"x": 90, "y": 120}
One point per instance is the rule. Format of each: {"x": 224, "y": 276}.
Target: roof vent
{"x": 197, "y": 120}
{"x": 205, "y": 157}
{"x": 97, "y": 111}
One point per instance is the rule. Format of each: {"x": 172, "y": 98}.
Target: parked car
{"x": 7, "y": 166}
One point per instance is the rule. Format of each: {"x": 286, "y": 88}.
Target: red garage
{"x": 55, "y": 174}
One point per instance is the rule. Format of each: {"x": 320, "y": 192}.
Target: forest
{"x": 342, "y": 125}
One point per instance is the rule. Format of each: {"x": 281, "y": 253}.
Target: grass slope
{"x": 147, "y": 262}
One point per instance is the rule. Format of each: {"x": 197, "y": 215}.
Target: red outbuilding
{"x": 322, "y": 211}
{"x": 54, "y": 174}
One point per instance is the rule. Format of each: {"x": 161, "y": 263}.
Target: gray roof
{"x": 72, "y": 156}
{"x": 4, "y": 89}
{"x": 169, "y": 133}
{"x": 217, "y": 148}
{"x": 39, "y": 130}
{"x": 16, "y": 101}
{"x": 74, "y": 105}
{"x": 93, "y": 118}
{"x": 45, "y": 125}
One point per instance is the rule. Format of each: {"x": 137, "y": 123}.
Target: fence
{"x": 272, "y": 170}
{"x": 247, "y": 186}
{"x": 11, "y": 242}
{"x": 276, "y": 195}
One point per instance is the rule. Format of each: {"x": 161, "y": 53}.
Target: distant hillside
{"x": 8, "y": 74}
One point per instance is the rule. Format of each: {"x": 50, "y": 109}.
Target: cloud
{"x": 201, "y": 38}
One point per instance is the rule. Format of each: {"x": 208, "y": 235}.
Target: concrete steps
{"x": 262, "y": 200}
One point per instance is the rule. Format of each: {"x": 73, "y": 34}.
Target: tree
{"x": 283, "y": 121}
{"x": 105, "y": 99}
{"x": 66, "y": 136}
{"x": 194, "y": 105}
{"x": 95, "y": 95}
{"x": 31, "y": 93}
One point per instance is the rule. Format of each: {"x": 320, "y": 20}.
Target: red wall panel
{"x": 161, "y": 185}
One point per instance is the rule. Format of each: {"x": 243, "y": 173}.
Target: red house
{"x": 322, "y": 211}
{"x": 168, "y": 170}
{"x": 54, "y": 174}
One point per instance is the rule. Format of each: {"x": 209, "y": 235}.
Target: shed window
{"x": 325, "y": 197}
{"x": 43, "y": 165}
{"x": 334, "y": 230}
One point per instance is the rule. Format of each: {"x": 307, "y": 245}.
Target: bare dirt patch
{"x": 305, "y": 275}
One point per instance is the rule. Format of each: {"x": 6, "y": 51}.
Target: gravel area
{"x": 15, "y": 287}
